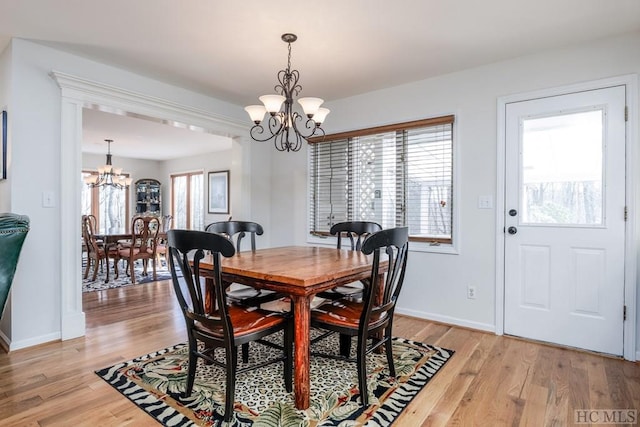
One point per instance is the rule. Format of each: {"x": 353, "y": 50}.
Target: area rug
{"x": 88, "y": 285}
{"x": 154, "y": 382}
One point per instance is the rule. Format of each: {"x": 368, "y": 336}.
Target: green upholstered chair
{"x": 13, "y": 230}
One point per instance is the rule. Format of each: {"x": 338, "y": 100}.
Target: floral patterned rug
{"x": 154, "y": 382}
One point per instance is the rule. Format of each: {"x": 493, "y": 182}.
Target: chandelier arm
{"x": 274, "y": 126}
{"x": 309, "y": 125}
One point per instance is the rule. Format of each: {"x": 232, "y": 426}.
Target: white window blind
{"x": 399, "y": 175}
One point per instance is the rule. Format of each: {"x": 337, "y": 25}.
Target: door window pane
{"x": 562, "y": 169}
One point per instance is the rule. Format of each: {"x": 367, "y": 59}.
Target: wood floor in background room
{"x": 491, "y": 380}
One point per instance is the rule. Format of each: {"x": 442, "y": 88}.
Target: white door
{"x": 565, "y": 219}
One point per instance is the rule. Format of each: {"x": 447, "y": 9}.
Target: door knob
{"x": 513, "y": 212}
{"x": 512, "y": 230}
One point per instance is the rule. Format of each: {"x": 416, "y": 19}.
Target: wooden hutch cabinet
{"x": 148, "y": 198}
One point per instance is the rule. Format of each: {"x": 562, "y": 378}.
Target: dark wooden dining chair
{"x": 236, "y": 231}
{"x": 372, "y": 318}
{"x": 356, "y": 232}
{"x": 142, "y": 246}
{"x": 229, "y": 326}
{"x": 95, "y": 249}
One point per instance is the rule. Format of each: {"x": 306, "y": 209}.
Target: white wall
{"x": 234, "y": 160}
{"x": 436, "y": 284}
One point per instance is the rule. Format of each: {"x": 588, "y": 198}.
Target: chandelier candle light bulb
{"x": 287, "y": 127}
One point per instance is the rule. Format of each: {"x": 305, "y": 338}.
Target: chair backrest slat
{"x": 236, "y": 231}
{"x": 356, "y": 231}
{"x": 144, "y": 232}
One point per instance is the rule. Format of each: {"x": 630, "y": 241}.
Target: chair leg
{"x": 245, "y": 353}
{"x": 232, "y": 365}
{"x": 86, "y": 269}
{"x": 155, "y": 276}
{"x": 132, "y": 272}
{"x": 345, "y": 345}
{"x": 362, "y": 370}
{"x": 388, "y": 345}
{"x": 95, "y": 270}
{"x": 191, "y": 373}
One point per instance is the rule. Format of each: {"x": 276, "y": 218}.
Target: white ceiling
{"x": 232, "y": 50}
{"x": 144, "y": 138}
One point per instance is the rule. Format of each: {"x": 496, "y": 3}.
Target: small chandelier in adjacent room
{"x": 107, "y": 174}
{"x": 288, "y": 128}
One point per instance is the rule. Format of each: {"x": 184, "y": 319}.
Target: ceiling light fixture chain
{"x": 284, "y": 124}
{"x": 107, "y": 174}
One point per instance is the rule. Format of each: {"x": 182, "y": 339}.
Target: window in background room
{"x": 187, "y": 196}
{"x": 110, "y": 206}
{"x": 396, "y": 175}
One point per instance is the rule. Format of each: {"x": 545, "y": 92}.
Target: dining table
{"x": 300, "y": 272}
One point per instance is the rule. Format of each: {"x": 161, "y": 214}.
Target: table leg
{"x": 209, "y": 296}
{"x": 301, "y": 356}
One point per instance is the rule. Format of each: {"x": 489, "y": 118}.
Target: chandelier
{"x": 287, "y": 127}
{"x": 107, "y": 174}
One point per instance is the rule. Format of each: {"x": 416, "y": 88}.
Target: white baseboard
{"x": 447, "y": 319}
{"x": 17, "y": 345}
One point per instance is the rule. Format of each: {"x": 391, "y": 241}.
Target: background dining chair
{"x": 372, "y": 318}
{"x": 236, "y": 231}
{"x": 356, "y": 232}
{"x": 230, "y": 325}
{"x": 144, "y": 238}
{"x": 246, "y": 296}
{"x": 96, "y": 252}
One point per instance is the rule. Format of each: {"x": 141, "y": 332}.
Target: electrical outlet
{"x": 471, "y": 292}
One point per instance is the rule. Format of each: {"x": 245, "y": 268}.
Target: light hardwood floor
{"x": 490, "y": 381}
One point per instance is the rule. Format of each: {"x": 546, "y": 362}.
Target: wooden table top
{"x": 301, "y": 269}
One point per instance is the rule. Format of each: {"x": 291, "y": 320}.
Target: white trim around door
{"x": 631, "y": 249}
{"x": 76, "y": 94}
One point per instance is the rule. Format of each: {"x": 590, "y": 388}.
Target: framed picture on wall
{"x": 219, "y": 192}
{"x": 3, "y": 154}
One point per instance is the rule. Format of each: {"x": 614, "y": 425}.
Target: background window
{"x": 397, "y": 175}
{"x": 187, "y": 197}
{"x": 110, "y": 206}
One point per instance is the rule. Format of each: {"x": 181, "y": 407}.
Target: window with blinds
{"x": 396, "y": 175}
